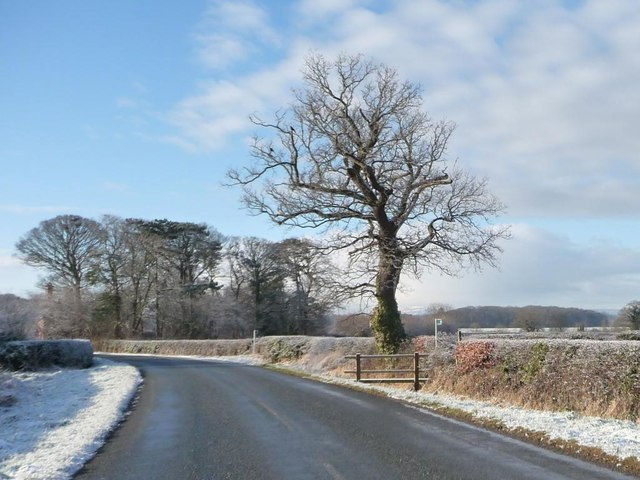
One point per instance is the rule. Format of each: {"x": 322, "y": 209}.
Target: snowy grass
{"x": 59, "y": 418}
{"x": 619, "y": 438}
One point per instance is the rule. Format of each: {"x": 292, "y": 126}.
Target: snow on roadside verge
{"x": 61, "y": 418}
{"x": 620, "y": 438}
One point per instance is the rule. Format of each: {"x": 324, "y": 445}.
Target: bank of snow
{"x": 53, "y": 421}
{"x": 619, "y": 438}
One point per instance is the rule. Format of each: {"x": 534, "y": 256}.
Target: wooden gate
{"x": 362, "y": 374}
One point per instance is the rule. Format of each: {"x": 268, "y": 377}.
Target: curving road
{"x": 206, "y": 420}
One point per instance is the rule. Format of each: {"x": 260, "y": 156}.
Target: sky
{"x": 137, "y": 109}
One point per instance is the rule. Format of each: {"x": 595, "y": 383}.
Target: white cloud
{"x": 222, "y": 108}
{"x": 9, "y": 261}
{"x": 313, "y": 10}
{"x": 535, "y": 88}
{"x": 543, "y": 268}
{"x": 126, "y": 102}
{"x": 544, "y": 95}
{"x": 208, "y": 119}
{"x": 216, "y": 50}
{"x": 16, "y": 277}
{"x": 232, "y": 30}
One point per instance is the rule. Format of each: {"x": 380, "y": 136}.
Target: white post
{"x": 437, "y": 322}
{"x": 253, "y": 345}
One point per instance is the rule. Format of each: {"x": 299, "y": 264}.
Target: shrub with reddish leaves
{"x": 422, "y": 343}
{"x": 473, "y": 355}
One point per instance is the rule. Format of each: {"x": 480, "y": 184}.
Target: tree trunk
{"x": 118, "y": 331}
{"x": 158, "y": 320}
{"x": 80, "y": 324}
{"x": 385, "y": 322}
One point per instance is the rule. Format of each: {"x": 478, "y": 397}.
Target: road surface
{"x": 206, "y": 420}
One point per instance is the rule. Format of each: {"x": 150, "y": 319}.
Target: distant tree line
{"x": 629, "y": 316}
{"x": 529, "y": 318}
{"x": 18, "y": 317}
{"x": 137, "y": 278}
{"x": 134, "y": 278}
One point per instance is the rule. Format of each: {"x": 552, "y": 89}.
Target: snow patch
{"x": 61, "y": 417}
{"x": 620, "y": 438}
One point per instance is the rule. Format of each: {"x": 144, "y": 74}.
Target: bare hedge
{"x": 317, "y": 354}
{"x": 211, "y": 348}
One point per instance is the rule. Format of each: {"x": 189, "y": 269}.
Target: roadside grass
{"x": 629, "y": 465}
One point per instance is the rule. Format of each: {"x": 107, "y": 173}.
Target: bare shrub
{"x": 176, "y": 347}
{"x": 474, "y": 355}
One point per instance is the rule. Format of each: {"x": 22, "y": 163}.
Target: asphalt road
{"x": 204, "y": 420}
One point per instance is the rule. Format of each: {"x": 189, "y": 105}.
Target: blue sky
{"x": 138, "y": 108}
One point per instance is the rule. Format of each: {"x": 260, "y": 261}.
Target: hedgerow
{"x": 35, "y": 354}
{"x": 592, "y": 377}
{"x": 176, "y": 347}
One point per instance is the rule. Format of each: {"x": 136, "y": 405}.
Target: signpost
{"x": 437, "y": 321}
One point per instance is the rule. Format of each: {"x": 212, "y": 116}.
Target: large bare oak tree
{"x": 356, "y": 156}
{"x": 67, "y": 246}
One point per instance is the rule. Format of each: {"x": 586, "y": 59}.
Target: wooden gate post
{"x": 416, "y": 371}
{"x": 357, "y": 367}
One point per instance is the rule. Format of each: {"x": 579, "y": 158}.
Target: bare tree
{"x": 356, "y": 155}
{"x": 313, "y": 289}
{"x": 257, "y": 279}
{"x": 18, "y": 317}
{"x": 630, "y": 315}
{"x": 68, "y": 248}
